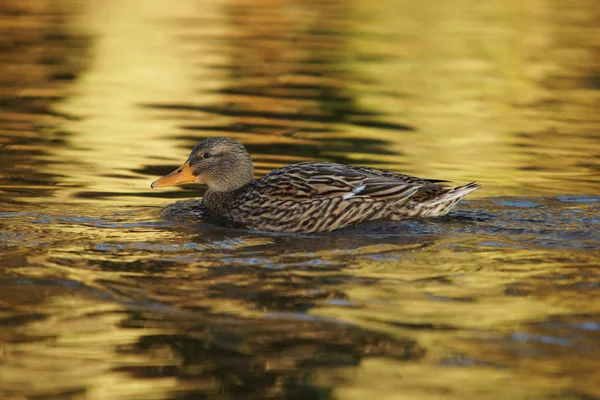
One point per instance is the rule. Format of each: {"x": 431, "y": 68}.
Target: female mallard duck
{"x": 309, "y": 196}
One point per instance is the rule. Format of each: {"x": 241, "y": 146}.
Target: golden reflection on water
{"x": 101, "y": 299}
{"x": 129, "y": 64}
{"x": 483, "y": 87}
{"x": 488, "y": 95}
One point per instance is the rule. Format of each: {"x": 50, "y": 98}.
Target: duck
{"x": 307, "y": 197}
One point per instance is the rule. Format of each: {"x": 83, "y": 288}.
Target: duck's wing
{"x": 431, "y": 190}
{"x": 313, "y": 181}
{"x": 400, "y": 177}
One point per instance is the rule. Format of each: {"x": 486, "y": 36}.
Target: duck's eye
{"x": 207, "y": 155}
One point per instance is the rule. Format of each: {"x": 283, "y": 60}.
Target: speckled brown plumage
{"x": 311, "y": 196}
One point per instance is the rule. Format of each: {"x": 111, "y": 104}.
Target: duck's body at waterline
{"x": 310, "y": 196}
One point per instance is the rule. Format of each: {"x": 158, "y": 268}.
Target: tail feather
{"x": 437, "y": 206}
{"x": 455, "y": 193}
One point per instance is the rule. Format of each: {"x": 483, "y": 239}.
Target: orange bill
{"x": 182, "y": 174}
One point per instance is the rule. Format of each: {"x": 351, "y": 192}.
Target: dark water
{"x": 100, "y": 298}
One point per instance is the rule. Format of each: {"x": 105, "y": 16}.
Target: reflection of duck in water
{"x": 309, "y": 196}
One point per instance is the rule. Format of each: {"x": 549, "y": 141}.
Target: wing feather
{"x": 311, "y": 181}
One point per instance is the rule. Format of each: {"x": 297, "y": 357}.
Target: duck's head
{"x": 221, "y": 163}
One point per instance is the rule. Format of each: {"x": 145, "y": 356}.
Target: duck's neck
{"x": 222, "y": 202}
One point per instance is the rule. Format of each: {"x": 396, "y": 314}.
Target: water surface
{"x": 102, "y": 298}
